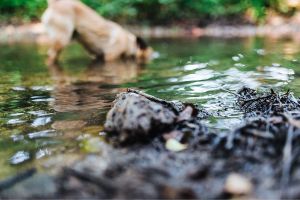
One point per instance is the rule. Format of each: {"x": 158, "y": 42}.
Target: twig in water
{"x": 231, "y": 92}
{"x": 287, "y": 159}
{"x": 169, "y": 104}
{"x": 106, "y": 185}
{"x": 11, "y": 181}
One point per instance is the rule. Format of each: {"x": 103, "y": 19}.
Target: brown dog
{"x": 65, "y": 19}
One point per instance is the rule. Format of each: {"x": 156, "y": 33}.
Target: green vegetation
{"x": 21, "y": 10}
{"x": 151, "y": 11}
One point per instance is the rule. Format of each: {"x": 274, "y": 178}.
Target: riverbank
{"x": 178, "y": 157}
{"x": 35, "y": 33}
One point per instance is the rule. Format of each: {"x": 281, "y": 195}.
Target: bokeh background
{"x": 161, "y": 12}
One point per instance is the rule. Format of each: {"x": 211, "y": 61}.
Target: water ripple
{"x": 42, "y": 134}
{"x": 15, "y": 121}
{"x": 19, "y": 157}
{"x": 41, "y": 121}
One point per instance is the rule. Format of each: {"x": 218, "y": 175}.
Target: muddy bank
{"x": 161, "y": 149}
{"x": 35, "y": 33}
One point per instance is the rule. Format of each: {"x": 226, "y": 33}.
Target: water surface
{"x": 47, "y": 112}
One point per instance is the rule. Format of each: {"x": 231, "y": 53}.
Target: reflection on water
{"x": 56, "y": 110}
{"x": 93, "y": 87}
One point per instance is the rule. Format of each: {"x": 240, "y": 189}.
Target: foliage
{"x": 24, "y": 9}
{"x": 153, "y": 11}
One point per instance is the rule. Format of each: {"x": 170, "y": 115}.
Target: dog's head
{"x": 144, "y": 52}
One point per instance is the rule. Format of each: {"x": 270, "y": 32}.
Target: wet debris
{"x": 269, "y": 138}
{"x": 272, "y": 130}
{"x": 254, "y": 104}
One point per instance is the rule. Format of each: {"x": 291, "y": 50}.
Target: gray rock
{"x": 135, "y": 117}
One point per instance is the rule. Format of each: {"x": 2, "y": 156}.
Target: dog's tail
{"x": 141, "y": 43}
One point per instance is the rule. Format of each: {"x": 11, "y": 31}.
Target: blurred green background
{"x": 154, "y": 12}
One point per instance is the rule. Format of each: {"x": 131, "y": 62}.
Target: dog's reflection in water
{"x": 97, "y": 72}
{"x": 89, "y": 95}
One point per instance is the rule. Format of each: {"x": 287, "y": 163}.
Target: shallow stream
{"x": 59, "y": 111}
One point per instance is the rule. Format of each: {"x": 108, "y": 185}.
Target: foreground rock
{"x": 137, "y": 117}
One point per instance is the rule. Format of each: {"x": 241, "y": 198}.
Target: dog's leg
{"x": 54, "y": 52}
{"x": 60, "y": 33}
{"x": 57, "y": 44}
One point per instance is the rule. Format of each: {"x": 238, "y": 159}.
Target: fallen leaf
{"x": 174, "y": 145}
{"x": 68, "y": 125}
{"x": 237, "y": 184}
{"x": 186, "y": 114}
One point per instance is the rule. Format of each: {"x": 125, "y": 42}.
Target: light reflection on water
{"x": 49, "y": 111}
